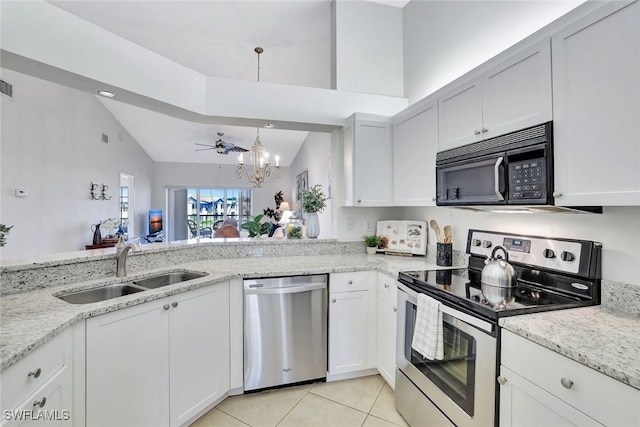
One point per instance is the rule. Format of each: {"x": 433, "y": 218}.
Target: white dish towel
{"x": 427, "y": 336}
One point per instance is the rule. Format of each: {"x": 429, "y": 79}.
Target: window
{"x": 124, "y": 208}
{"x": 208, "y": 208}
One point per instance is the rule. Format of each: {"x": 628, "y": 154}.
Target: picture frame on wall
{"x": 302, "y": 184}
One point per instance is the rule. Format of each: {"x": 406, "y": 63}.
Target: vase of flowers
{"x": 313, "y": 201}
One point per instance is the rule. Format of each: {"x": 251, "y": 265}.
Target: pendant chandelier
{"x": 262, "y": 170}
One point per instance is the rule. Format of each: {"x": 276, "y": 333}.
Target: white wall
{"x": 618, "y": 229}
{"x": 445, "y": 39}
{"x": 51, "y": 146}
{"x": 315, "y": 157}
{"x": 193, "y": 175}
{"x": 367, "y": 48}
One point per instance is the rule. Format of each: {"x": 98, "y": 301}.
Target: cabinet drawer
{"x": 606, "y": 400}
{"x": 353, "y": 281}
{"x": 30, "y": 373}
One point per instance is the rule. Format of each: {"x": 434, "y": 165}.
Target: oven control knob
{"x": 476, "y": 242}
{"x": 548, "y": 253}
{"x": 486, "y": 243}
{"x": 567, "y": 256}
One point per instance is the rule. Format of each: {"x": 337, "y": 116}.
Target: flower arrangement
{"x": 313, "y": 200}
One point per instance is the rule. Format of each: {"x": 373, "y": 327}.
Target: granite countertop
{"x": 597, "y": 337}
{"x": 30, "y": 319}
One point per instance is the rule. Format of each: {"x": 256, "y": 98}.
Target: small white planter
{"x": 371, "y": 250}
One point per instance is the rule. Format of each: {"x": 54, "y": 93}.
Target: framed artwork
{"x": 302, "y": 184}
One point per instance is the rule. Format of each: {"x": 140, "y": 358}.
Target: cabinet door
{"x": 199, "y": 350}
{"x": 524, "y": 404}
{"x": 386, "y": 329}
{"x": 596, "y": 106}
{"x": 127, "y": 367}
{"x": 49, "y": 406}
{"x": 372, "y": 163}
{"x": 516, "y": 94}
{"x": 460, "y": 116}
{"x": 349, "y": 324}
{"x": 415, "y": 144}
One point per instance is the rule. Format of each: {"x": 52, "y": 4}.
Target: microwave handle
{"x": 496, "y": 178}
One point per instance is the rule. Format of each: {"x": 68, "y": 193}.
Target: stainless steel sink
{"x": 122, "y": 289}
{"x": 100, "y": 294}
{"x": 166, "y": 279}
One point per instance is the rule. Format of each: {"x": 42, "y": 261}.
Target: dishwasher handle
{"x": 297, "y": 288}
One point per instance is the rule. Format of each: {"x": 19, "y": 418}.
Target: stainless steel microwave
{"x": 512, "y": 169}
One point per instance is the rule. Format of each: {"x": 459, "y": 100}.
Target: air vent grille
{"x": 6, "y": 88}
{"x": 533, "y": 134}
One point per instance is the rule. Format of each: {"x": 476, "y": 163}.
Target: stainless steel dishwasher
{"x": 285, "y": 330}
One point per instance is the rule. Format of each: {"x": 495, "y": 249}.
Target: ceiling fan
{"x": 222, "y": 147}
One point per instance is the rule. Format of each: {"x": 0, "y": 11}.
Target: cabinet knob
{"x": 557, "y": 194}
{"x": 40, "y": 402}
{"x": 502, "y": 380}
{"x": 350, "y": 282}
{"x": 386, "y": 286}
{"x": 174, "y": 304}
{"x": 166, "y": 306}
{"x": 566, "y": 383}
{"x": 333, "y": 300}
{"x": 35, "y": 374}
{"x": 476, "y": 132}
{"x": 434, "y": 199}
{"x": 395, "y": 309}
{"x": 359, "y": 200}
{"x": 485, "y": 130}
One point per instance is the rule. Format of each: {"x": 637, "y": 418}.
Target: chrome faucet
{"x": 122, "y": 250}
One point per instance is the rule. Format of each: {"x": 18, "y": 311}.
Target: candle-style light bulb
{"x": 240, "y": 159}
{"x": 277, "y": 160}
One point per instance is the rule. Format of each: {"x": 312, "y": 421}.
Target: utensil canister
{"x": 444, "y": 254}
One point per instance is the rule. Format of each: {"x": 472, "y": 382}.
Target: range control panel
{"x": 561, "y": 255}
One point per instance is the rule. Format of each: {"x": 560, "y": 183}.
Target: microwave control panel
{"x": 528, "y": 180}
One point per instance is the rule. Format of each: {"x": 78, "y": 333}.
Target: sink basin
{"x": 166, "y": 279}
{"x": 100, "y": 294}
{"x": 121, "y": 289}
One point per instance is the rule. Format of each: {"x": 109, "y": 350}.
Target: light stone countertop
{"x": 604, "y": 340}
{"x": 29, "y": 319}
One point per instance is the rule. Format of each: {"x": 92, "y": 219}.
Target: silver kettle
{"x": 498, "y": 281}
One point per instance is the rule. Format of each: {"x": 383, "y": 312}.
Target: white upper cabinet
{"x": 460, "y": 120}
{"x": 596, "y": 87}
{"x": 415, "y": 144}
{"x": 513, "y": 95}
{"x": 367, "y": 161}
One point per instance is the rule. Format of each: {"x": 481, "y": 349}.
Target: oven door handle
{"x": 412, "y": 297}
{"x": 496, "y": 178}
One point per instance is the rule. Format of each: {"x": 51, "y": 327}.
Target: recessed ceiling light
{"x": 106, "y": 93}
{"x": 268, "y": 125}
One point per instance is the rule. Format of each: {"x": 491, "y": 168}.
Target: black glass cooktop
{"x": 461, "y": 288}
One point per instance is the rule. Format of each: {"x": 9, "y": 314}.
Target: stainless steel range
{"x": 460, "y": 390}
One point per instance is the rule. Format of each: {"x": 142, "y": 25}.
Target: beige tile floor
{"x": 360, "y": 402}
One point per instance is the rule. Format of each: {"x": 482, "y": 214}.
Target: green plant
{"x": 275, "y": 214}
{"x": 255, "y": 227}
{"x": 372, "y": 241}
{"x": 313, "y": 200}
{"x": 4, "y": 230}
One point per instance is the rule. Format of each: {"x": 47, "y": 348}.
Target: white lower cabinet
{"x": 386, "y": 328}
{"x": 158, "y": 363}
{"x": 38, "y": 390}
{"x": 540, "y": 387}
{"x": 352, "y": 322}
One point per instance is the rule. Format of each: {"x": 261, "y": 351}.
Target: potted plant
{"x": 372, "y": 243}
{"x": 313, "y": 201}
{"x": 255, "y": 227}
